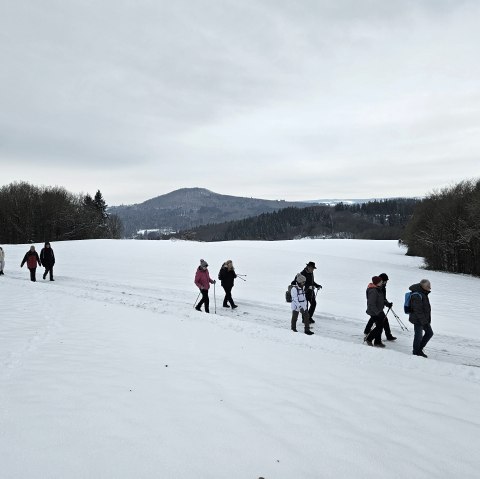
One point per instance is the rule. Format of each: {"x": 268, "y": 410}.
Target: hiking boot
{"x": 52, "y": 279}
{"x": 226, "y": 306}
{"x": 198, "y": 308}
{"x": 294, "y": 330}
{"x": 391, "y": 338}
{"x": 234, "y": 306}
{"x": 367, "y": 341}
{"x": 311, "y": 321}
{"x": 307, "y": 331}
{"x": 379, "y": 345}
{"x": 44, "y": 276}
{"x": 421, "y": 353}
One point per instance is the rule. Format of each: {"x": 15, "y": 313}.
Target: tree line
{"x": 445, "y": 229}
{"x": 31, "y": 213}
{"x": 384, "y": 219}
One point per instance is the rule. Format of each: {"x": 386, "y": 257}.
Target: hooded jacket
{"x": 47, "y": 257}
{"x": 31, "y": 258}
{"x": 298, "y": 298}
{"x": 202, "y": 278}
{"x": 375, "y": 300}
{"x": 420, "y": 306}
{"x": 227, "y": 277}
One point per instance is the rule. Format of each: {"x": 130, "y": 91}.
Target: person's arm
{"x": 24, "y": 260}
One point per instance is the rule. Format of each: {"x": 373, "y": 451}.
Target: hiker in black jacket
{"x": 388, "y": 304}
{"x": 421, "y": 316}
{"x": 310, "y": 285}
{"x": 48, "y": 260}
{"x": 227, "y": 277}
{"x": 375, "y": 305}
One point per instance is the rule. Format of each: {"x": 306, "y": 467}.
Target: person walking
{"x": 227, "y": 277}
{"x": 32, "y": 259}
{"x": 421, "y": 316}
{"x": 203, "y": 281}
{"x": 310, "y": 286}
{"x": 375, "y": 305}
{"x": 2, "y": 260}
{"x": 388, "y": 304}
{"x": 47, "y": 257}
{"x": 299, "y": 304}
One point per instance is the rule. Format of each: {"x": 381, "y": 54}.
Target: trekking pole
{"x": 240, "y": 277}
{"x": 195, "y": 303}
{"x": 214, "y": 298}
{"x": 402, "y": 324}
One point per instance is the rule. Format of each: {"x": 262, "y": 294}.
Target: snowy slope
{"x": 109, "y": 372}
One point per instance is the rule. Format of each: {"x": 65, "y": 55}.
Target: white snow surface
{"x": 109, "y": 372}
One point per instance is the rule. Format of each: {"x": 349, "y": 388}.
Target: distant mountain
{"x": 190, "y": 207}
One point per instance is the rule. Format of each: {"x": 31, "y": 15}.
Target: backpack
{"x": 288, "y": 294}
{"x": 408, "y": 299}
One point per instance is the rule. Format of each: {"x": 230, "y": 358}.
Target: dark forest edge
{"x": 384, "y": 219}
{"x": 31, "y": 213}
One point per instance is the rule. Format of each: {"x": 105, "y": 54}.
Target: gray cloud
{"x": 281, "y": 99}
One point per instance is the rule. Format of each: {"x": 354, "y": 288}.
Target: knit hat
{"x": 300, "y": 278}
{"x": 383, "y": 276}
{"x": 376, "y": 280}
{"x": 203, "y": 263}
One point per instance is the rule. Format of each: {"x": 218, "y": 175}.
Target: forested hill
{"x": 372, "y": 220}
{"x": 190, "y": 207}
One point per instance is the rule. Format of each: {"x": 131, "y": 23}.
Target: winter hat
{"x": 383, "y": 276}
{"x": 312, "y": 264}
{"x": 300, "y": 278}
{"x": 203, "y": 263}
{"x": 376, "y": 280}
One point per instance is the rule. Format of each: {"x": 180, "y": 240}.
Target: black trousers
{"x": 228, "y": 296}
{"x": 375, "y": 334}
{"x": 204, "y": 301}
{"x": 311, "y": 301}
{"x": 32, "y": 274}
{"x": 48, "y": 269}
{"x": 386, "y": 327}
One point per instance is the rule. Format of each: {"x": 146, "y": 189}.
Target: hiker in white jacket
{"x": 299, "y": 304}
{"x": 2, "y": 260}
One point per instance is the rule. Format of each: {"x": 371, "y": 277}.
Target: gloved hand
{"x": 389, "y": 304}
{"x": 214, "y": 281}
{"x": 319, "y": 286}
{"x": 302, "y": 310}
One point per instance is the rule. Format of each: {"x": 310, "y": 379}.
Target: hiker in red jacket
{"x": 32, "y": 259}
{"x": 203, "y": 281}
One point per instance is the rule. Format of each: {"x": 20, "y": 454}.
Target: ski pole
{"x": 194, "y": 304}
{"x": 214, "y": 298}
{"x": 240, "y": 277}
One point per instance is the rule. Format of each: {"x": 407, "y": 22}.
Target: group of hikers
{"x": 302, "y": 296}
{"x": 46, "y": 259}
{"x": 301, "y": 293}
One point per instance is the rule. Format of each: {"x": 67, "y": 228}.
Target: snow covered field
{"x": 109, "y": 372}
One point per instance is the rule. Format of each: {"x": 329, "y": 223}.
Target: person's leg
{"x": 230, "y": 299}
{"x": 388, "y": 331}
{"x": 206, "y": 300}
{"x": 32, "y": 274}
{"x": 427, "y": 336}
{"x": 198, "y": 307}
{"x": 225, "y": 299}
{"x": 369, "y": 325}
{"x": 417, "y": 339}
{"x": 50, "y": 270}
{"x": 375, "y": 335}
{"x": 306, "y": 322}
{"x": 313, "y": 304}
{"x": 294, "y": 320}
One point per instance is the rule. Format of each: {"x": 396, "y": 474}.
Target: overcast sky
{"x": 276, "y": 99}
